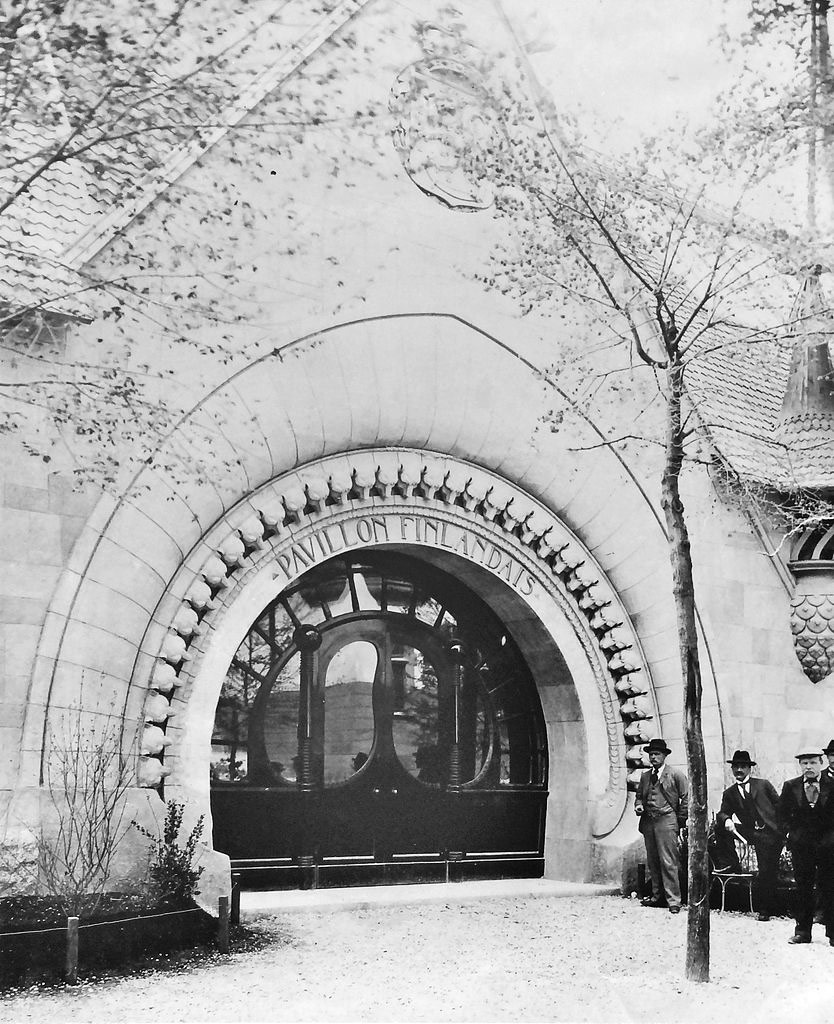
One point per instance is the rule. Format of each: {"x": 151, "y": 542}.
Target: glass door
{"x": 378, "y": 724}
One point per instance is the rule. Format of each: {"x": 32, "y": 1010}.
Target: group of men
{"x": 801, "y": 817}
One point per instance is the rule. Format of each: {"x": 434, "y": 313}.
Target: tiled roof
{"x": 150, "y": 134}
{"x": 739, "y": 395}
{"x": 738, "y": 389}
{"x": 33, "y": 281}
{"x": 738, "y": 376}
{"x": 39, "y": 225}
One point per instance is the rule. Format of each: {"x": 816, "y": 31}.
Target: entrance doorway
{"x": 378, "y": 724}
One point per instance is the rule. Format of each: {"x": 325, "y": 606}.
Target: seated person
{"x": 749, "y": 811}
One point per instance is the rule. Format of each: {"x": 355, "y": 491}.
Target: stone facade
{"x": 373, "y": 381}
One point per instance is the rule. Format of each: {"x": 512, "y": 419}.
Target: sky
{"x": 632, "y": 68}
{"x": 639, "y": 62}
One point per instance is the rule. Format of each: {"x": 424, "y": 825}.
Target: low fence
{"x": 59, "y": 951}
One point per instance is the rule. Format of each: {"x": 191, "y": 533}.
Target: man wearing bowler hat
{"x": 828, "y": 772}
{"x": 806, "y": 814}
{"x": 749, "y": 811}
{"x": 662, "y": 803}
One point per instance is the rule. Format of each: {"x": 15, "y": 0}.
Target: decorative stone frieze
{"x": 164, "y": 677}
{"x": 214, "y": 572}
{"x": 152, "y": 772}
{"x": 199, "y": 596}
{"x": 305, "y": 516}
{"x": 154, "y": 740}
{"x": 157, "y": 708}
{"x": 174, "y": 647}
{"x": 186, "y": 622}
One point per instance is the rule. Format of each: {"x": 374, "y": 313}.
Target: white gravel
{"x": 600, "y": 958}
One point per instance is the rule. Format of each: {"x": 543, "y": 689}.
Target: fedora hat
{"x": 658, "y": 745}
{"x": 808, "y": 753}
{"x": 830, "y": 748}
{"x": 742, "y": 757}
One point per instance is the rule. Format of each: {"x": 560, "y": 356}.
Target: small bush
{"x": 87, "y": 774}
{"x": 173, "y": 873}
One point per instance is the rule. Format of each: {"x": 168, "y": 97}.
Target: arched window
{"x": 410, "y": 667}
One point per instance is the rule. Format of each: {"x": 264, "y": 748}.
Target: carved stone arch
{"x": 401, "y": 498}
{"x": 430, "y": 382}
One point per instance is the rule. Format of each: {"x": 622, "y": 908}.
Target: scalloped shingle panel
{"x": 40, "y": 223}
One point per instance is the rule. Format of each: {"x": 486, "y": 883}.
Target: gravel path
{"x": 517, "y": 959}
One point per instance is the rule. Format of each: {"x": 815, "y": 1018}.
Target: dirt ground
{"x": 601, "y": 958}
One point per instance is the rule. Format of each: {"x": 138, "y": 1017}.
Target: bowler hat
{"x": 658, "y": 745}
{"x": 742, "y": 757}
{"x": 808, "y": 753}
{"x": 830, "y": 748}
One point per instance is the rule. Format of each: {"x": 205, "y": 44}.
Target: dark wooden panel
{"x": 255, "y": 823}
{"x": 495, "y": 820}
{"x": 369, "y": 836}
{"x": 268, "y": 877}
{"x": 521, "y": 867}
{"x": 388, "y": 873}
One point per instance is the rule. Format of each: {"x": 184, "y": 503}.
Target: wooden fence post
{"x": 223, "y": 924}
{"x": 235, "y": 910}
{"x": 71, "y": 963}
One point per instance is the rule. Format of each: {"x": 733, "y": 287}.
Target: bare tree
{"x": 641, "y": 272}
{"x": 88, "y": 775}
{"x": 779, "y": 109}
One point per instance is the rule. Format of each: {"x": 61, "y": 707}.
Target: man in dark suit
{"x": 828, "y": 771}
{"x": 749, "y": 811}
{"x": 806, "y": 814}
{"x": 662, "y": 802}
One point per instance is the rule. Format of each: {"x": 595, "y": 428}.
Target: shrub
{"x": 173, "y": 873}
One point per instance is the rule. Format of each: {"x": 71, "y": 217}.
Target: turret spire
{"x": 806, "y": 422}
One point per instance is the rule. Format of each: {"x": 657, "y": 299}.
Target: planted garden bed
{"x": 117, "y": 930}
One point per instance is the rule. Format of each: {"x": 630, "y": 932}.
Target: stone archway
{"x": 535, "y": 574}
{"x": 451, "y": 391}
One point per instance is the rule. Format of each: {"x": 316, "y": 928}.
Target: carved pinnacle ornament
{"x": 812, "y": 625}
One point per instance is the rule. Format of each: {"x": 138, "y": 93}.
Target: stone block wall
{"x": 41, "y": 516}
{"x": 768, "y": 706}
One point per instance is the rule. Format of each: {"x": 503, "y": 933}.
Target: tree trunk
{"x": 697, "y": 936}
{"x": 813, "y": 85}
{"x": 825, "y": 89}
